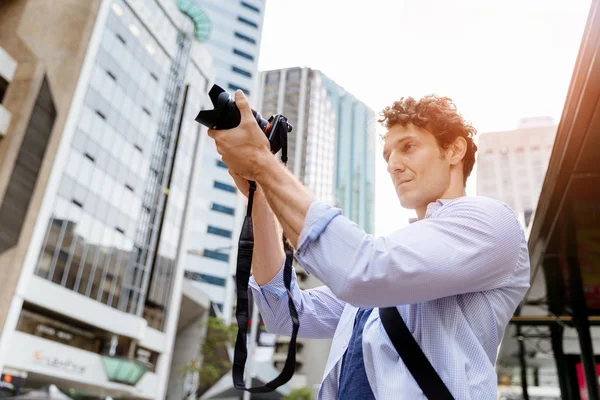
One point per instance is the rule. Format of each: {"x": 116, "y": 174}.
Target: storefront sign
{"x": 56, "y": 362}
{"x": 51, "y": 360}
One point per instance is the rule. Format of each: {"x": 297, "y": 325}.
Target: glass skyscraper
{"x": 355, "y": 156}
{"x": 332, "y": 151}
{"x": 115, "y": 225}
{"x": 332, "y": 146}
{"x": 99, "y": 190}
{"x": 234, "y": 45}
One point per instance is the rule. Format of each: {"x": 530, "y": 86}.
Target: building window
{"x": 204, "y": 278}
{"x": 241, "y": 71}
{"x": 4, "y": 86}
{"x": 242, "y": 54}
{"x": 236, "y": 87}
{"x": 50, "y": 328}
{"x": 244, "y": 37}
{"x": 121, "y": 39}
{"x": 218, "y": 231}
{"x": 248, "y": 22}
{"x": 225, "y": 187}
{"x": 221, "y": 164}
{"x": 250, "y": 7}
{"x": 215, "y": 255}
{"x": 222, "y": 209}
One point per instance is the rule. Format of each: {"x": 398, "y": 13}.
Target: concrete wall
{"x": 187, "y": 348}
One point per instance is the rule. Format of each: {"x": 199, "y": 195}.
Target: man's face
{"x": 418, "y": 167}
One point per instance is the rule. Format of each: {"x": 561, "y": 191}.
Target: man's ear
{"x": 457, "y": 150}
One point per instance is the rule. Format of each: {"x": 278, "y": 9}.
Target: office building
{"x": 234, "y": 42}
{"x": 511, "y": 165}
{"x": 355, "y": 156}
{"x": 300, "y": 95}
{"x": 96, "y": 167}
{"x": 217, "y": 207}
{"x": 332, "y": 146}
{"x": 332, "y": 151}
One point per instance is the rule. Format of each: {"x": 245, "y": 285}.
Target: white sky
{"x": 498, "y": 60}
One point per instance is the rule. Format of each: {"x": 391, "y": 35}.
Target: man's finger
{"x": 241, "y": 101}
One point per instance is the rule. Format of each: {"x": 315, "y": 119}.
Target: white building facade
{"x": 511, "y": 165}
{"x": 100, "y": 289}
{"x": 217, "y": 208}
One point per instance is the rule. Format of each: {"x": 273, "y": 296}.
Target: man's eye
{"x": 409, "y": 146}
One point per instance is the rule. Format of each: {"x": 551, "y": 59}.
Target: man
{"x": 456, "y": 275}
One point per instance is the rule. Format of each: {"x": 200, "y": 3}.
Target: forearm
{"x": 288, "y": 198}
{"x": 268, "y": 253}
{"x": 318, "y": 309}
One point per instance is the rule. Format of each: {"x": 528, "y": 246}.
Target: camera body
{"x": 226, "y": 115}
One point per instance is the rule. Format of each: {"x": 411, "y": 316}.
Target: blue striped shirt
{"x": 456, "y": 277}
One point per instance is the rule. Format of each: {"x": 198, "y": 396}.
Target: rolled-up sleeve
{"x": 468, "y": 245}
{"x": 318, "y": 309}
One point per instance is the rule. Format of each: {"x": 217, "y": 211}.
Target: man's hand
{"x": 245, "y": 148}
{"x": 246, "y": 151}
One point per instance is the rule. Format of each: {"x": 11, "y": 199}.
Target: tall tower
{"x": 355, "y": 156}
{"x": 234, "y": 44}
{"x": 331, "y": 150}
{"x": 96, "y": 167}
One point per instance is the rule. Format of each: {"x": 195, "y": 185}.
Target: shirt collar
{"x": 434, "y": 206}
{"x": 431, "y": 208}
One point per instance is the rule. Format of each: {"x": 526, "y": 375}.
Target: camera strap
{"x": 242, "y": 276}
{"x": 412, "y": 355}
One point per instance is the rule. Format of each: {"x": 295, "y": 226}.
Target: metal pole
{"x": 523, "y": 363}
{"x": 251, "y": 347}
{"x": 579, "y": 305}
{"x": 556, "y": 289}
{"x": 556, "y": 336}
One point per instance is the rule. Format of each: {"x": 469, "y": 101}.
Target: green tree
{"x": 304, "y": 393}
{"x": 215, "y": 359}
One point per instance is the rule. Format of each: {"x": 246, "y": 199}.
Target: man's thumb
{"x": 242, "y": 103}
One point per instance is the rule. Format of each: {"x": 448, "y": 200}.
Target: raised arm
{"x": 318, "y": 309}
{"x": 468, "y": 245}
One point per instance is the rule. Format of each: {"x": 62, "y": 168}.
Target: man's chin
{"x": 407, "y": 202}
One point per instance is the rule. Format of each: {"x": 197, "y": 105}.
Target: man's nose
{"x": 395, "y": 164}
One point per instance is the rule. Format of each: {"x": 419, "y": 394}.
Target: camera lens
{"x": 225, "y": 114}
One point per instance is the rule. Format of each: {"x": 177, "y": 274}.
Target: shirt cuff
{"x": 275, "y": 286}
{"x": 318, "y": 217}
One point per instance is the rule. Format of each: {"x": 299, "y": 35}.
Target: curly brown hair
{"x": 439, "y": 116}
